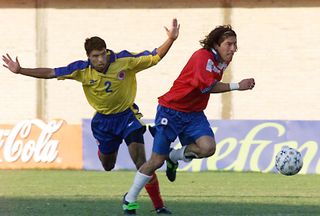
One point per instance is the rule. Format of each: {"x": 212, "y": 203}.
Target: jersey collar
{"x": 216, "y": 55}
{"x": 112, "y": 59}
{"x": 218, "y": 58}
{"x": 113, "y": 56}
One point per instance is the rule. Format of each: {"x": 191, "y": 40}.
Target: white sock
{"x": 140, "y": 180}
{"x": 178, "y": 154}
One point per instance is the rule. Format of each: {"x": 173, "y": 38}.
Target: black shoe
{"x": 163, "y": 210}
{"x": 171, "y": 170}
{"x": 129, "y": 208}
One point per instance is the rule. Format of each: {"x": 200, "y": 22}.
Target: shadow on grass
{"x": 112, "y": 207}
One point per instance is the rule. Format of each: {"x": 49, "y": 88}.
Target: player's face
{"x": 227, "y": 48}
{"x": 98, "y": 59}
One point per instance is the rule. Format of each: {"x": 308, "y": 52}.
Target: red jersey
{"x": 191, "y": 90}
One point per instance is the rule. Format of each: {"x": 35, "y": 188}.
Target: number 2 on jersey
{"x": 108, "y": 85}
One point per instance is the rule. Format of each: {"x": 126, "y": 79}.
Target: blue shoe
{"x": 129, "y": 208}
{"x": 163, "y": 210}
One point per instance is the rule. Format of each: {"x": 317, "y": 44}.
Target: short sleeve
{"x": 72, "y": 71}
{"x": 204, "y": 76}
{"x": 140, "y": 61}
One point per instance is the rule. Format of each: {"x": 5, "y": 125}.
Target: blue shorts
{"x": 170, "y": 123}
{"x": 111, "y": 130}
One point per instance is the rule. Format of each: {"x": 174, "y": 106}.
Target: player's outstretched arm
{"x": 245, "y": 84}
{"x": 173, "y": 33}
{"x": 14, "y": 66}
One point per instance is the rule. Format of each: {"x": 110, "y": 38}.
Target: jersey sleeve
{"x": 204, "y": 76}
{"x": 142, "y": 60}
{"x": 72, "y": 71}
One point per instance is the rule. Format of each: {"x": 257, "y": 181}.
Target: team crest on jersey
{"x": 210, "y": 65}
{"x": 121, "y": 75}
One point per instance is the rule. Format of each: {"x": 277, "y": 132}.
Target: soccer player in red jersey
{"x": 180, "y": 111}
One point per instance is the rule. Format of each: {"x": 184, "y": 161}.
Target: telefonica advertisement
{"x": 242, "y": 145}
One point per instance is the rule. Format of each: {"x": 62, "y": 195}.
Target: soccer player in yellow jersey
{"x": 109, "y": 83}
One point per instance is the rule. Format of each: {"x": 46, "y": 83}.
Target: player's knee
{"x": 108, "y": 167}
{"x": 208, "y": 150}
{"x": 211, "y": 151}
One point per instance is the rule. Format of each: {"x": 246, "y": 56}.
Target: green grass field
{"x": 55, "y": 192}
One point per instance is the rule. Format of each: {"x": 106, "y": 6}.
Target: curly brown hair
{"x": 94, "y": 43}
{"x": 217, "y": 36}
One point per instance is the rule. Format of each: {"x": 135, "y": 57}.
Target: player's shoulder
{"x": 201, "y": 53}
{"x": 79, "y": 64}
{"x": 129, "y": 54}
{"x": 124, "y": 54}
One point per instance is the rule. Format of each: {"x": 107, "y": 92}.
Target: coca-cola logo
{"x": 16, "y": 145}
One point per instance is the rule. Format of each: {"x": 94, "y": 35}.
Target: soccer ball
{"x": 289, "y": 161}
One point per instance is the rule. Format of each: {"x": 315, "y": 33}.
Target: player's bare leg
{"x": 137, "y": 154}
{"x": 108, "y": 161}
{"x": 204, "y": 146}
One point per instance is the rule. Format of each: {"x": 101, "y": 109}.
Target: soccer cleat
{"x": 163, "y": 210}
{"x": 171, "y": 170}
{"x": 129, "y": 208}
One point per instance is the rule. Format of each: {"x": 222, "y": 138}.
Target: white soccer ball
{"x": 289, "y": 161}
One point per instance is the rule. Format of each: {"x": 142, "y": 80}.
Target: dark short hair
{"x": 94, "y": 43}
{"x": 217, "y": 36}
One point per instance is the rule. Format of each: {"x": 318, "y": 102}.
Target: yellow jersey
{"x": 114, "y": 91}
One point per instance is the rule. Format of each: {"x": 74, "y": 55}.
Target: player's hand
{"x": 173, "y": 32}
{"x": 13, "y": 66}
{"x": 246, "y": 84}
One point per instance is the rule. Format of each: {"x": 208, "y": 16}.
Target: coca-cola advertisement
{"x": 38, "y": 144}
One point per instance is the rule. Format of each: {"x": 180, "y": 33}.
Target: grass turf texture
{"x": 64, "y": 192}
